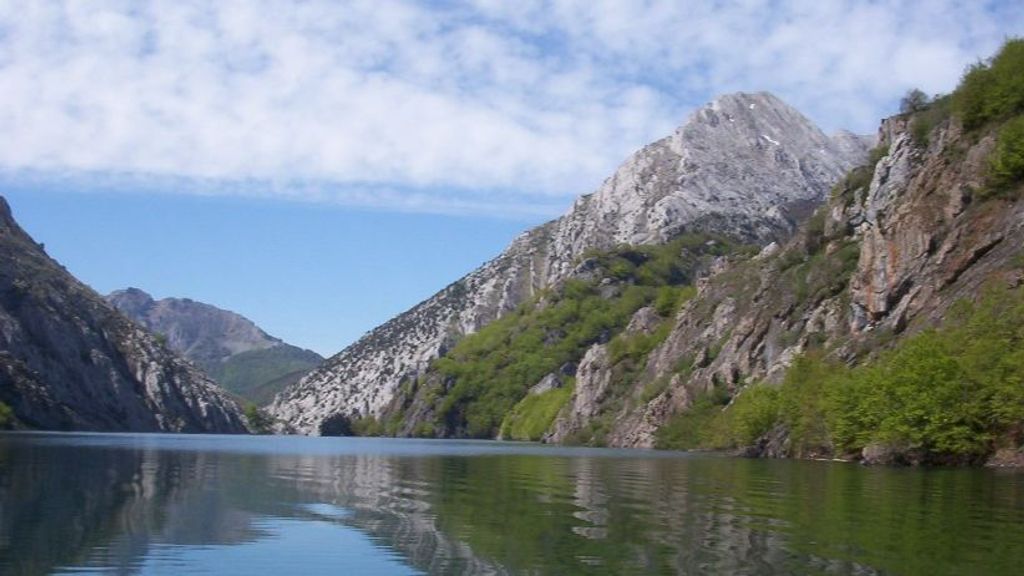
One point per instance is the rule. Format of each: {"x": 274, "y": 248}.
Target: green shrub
{"x": 368, "y": 426}
{"x": 654, "y": 388}
{"x": 259, "y": 421}
{"x": 670, "y": 298}
{"x": 876, "y": 154}
{"x": 928, "y": 118}
{"x": 802, "y": 403}
{"x": 992, "y": 90}
{"x": 753, "y": 414}
{"x": 915, "y": 100}
{"x": 1006, "y": 165}
{"x": 635, "y": 347}
{"x": 424, "y": 430}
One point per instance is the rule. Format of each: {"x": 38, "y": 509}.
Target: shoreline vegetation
{"x": 947, "y": 396}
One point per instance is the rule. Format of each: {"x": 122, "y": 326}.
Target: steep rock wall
{"x": 69, "y": 361}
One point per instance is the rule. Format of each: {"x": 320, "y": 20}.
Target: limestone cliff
{"x": 746, "y": 166}
{"x": 69, "y": 361}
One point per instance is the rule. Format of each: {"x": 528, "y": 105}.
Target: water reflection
{"x": 158, "y": 504}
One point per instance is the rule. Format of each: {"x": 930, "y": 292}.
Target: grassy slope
{"x": 258, "y": 375}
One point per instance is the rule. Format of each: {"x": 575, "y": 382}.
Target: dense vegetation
{"x": 1007, "y": 163}
{"x": 488, "y": 373}
{"x": 954, "y": 394}
{"x": 993, "y": 90}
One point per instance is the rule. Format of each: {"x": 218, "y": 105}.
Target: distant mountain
{"x": 235, "y": 352}
{"x": 70, "y": 361}
{"x": 745, "y": 166}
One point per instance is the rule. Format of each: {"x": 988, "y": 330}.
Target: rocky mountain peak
{"x": 131, "y": 301}
{"x": 204, "y": 333}
{"x": 746, "y": 166}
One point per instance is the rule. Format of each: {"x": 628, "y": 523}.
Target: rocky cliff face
{"x": 229, "y": 347}
{"x": 746, "y": 165}
{"x": 899, "y": 243}
{"x": 70, "y": 361}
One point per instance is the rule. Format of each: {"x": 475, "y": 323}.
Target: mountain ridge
{"x": 745, "y": 165}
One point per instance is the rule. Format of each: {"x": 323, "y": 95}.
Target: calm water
{"x": 168, "y": 504}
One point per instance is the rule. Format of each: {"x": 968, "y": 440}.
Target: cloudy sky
{"x": 482, "y": 106}
{"x": 491, "y": 109}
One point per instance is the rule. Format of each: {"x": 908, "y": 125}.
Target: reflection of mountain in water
{"x": 389, "y": 498}
{"x": 501, "y": 514}
{"x": 109, "y": 506}
{"x": 68, "y": 504}
{"x": 123, "y": 502}
{"x": 62, "y": 504}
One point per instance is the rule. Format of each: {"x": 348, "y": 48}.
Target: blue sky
{"x": 315, "y": 275}
{"x": 321, "y": 165}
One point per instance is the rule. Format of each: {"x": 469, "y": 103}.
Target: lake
{"x": 174, "y": 504}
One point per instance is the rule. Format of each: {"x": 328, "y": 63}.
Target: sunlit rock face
{"x": 746, "y": 165}
{"x": 70, "y": 361}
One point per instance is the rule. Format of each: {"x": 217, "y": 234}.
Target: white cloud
{"x": 477, "y": 107}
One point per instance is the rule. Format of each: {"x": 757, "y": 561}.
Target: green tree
{"x": 913, "y": 101}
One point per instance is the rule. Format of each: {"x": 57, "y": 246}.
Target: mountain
{"x": 70, "y": 361}
{"x": 888, "y": 328}
{"x": 746, "y": 167}
{"x": 236, "y": 353}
